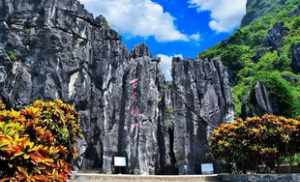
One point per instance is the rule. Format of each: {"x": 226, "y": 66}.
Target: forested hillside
{"x": 263, "y": 58}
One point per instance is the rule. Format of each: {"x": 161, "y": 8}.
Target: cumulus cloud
{"x": 138, "y": 18}
{"x": 195, "y": 37}
{"x": 225, "y": 14}
{"x": 166, "y": 65}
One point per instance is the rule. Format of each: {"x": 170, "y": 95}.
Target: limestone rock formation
{"x": 140, "y": 51}
{"x": 276, "y": 35}
{"x": 258, "y": 102}
{"x": 55, "y": 49}
{"x": 201, "y": 99}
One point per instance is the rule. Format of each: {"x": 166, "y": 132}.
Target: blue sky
{"x": 171, "y": 27}
{"x": 188, "y": 21}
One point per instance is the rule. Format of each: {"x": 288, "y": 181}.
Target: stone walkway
{"x": 80, "y": 177}
{"x": 94, "y": 177}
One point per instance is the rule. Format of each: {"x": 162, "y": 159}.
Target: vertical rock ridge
{"x": 199, "y": 101}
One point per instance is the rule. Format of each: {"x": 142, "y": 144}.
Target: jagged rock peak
{"x": 176, "y": 59}
{"x": 101, "y": 20}
{"x": 181, "y": 59}
{"x": 140, "y": 50}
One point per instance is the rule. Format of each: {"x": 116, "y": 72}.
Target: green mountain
{"x": 263, "y": 58}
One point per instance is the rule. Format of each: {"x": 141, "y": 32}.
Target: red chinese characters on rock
{"x": 134, "y": 83}
{"x": 134, "y": 111}
{"x": 135, "y": 126}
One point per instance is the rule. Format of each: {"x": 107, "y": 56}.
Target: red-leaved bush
{"x": 246, "y": 144}
{"x": 38, "y": 142}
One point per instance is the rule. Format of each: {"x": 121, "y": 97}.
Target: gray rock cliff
{"x": 201, "y": 99}
{"x": 276, "y": 34}
{"x": 53, "y": 49}
{"x": 258, "y": 102}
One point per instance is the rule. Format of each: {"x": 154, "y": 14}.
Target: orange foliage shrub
{"x": 37, "y": 142}
{"x": 248, "y": 143}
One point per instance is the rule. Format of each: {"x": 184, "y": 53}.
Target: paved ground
{"x": 80, "y": 177}
{"x": 96, "y": 177}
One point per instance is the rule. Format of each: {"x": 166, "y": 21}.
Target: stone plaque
{"x": 120, "y": 161}
{"x": 207, "y": 168}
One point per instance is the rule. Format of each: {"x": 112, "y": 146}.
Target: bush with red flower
{"x": 38, "y": 142}
{"x": 246, "y": 144}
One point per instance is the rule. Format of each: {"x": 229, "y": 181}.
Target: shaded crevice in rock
{"x": 258, "y": 102}
{"x": 122, "y": 133}
{"x": 162, "y": 148}
{"x": 172, "y": 165}
{"x": 296, "y": 58}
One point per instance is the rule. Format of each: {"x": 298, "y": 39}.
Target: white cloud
{"x": 138, "y": 18}
{"x": 166, "y": 65}
{"x": 195, "y": 37}
{"x": 225, "y": 14}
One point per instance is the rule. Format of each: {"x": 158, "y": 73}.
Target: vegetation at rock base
{"x": 37, "y": 143}
{"x": 280, "y": 90}
{"x": 12, "y": 56}
{"x": 250, "y": 56}
{"x": 246, "y": 144}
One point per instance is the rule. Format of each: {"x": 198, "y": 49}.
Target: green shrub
{"x": 281, "y": 91}
{"x": 268, "y": 61}
{"x": 12, "y": 56}
{"x": 239, "y": 92}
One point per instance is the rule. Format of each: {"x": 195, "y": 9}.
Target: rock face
{"x": 140, "y": 51}
{"x": 257, "y": 8}
{"x": 276, "y": 35}
{"x": 258, "y": 102}
{"x": 55, "y": 49}
{"x": 201, "y": 98}
{"x": 296, "y": 58}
